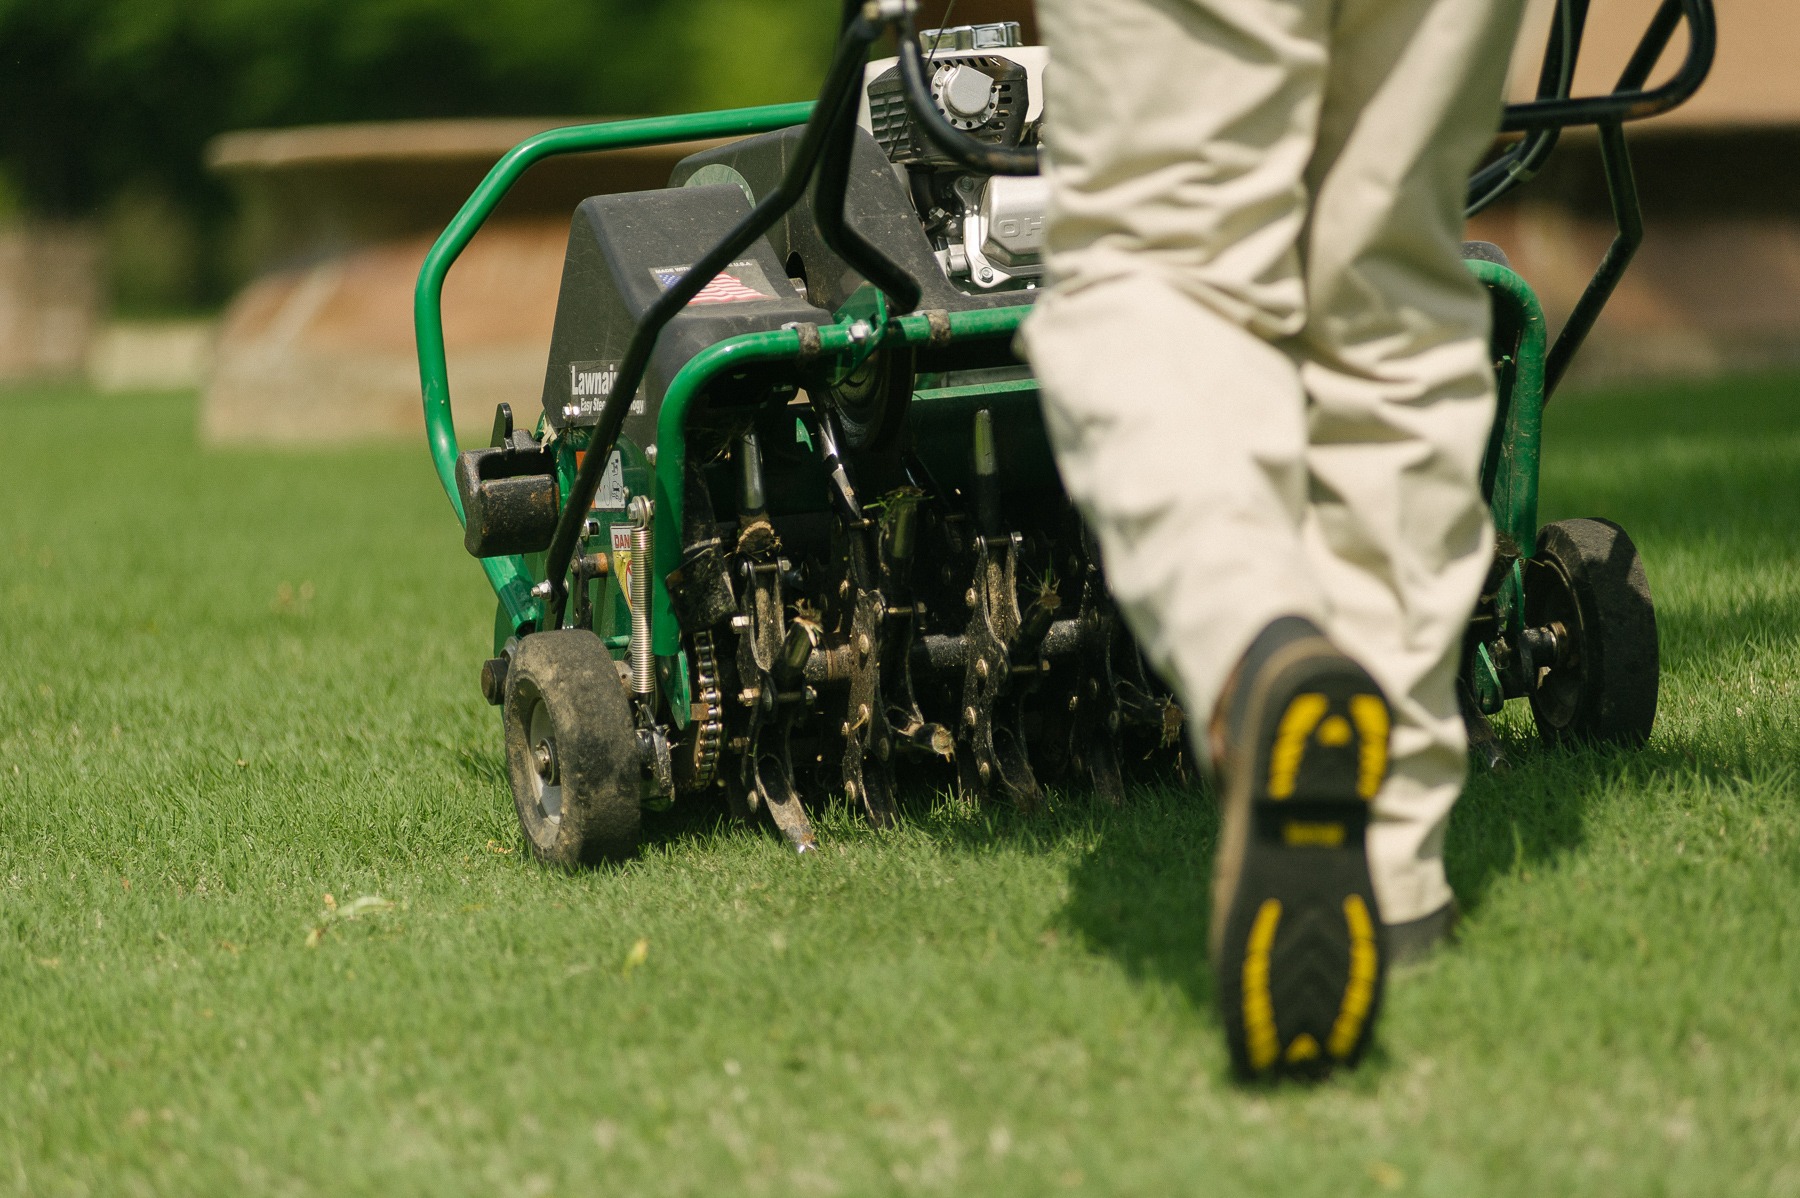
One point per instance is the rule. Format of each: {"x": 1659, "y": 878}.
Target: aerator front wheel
{"x": 1590, "y": 644}
{"x": 571, "y": 750}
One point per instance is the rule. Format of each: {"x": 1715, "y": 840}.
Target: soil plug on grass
{"x": 368, "y": 904}
{"x": 640, "y": 952}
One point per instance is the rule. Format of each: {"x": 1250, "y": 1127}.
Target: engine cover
{"x": 877, "y": 205}
{"x": 624, "y": 252}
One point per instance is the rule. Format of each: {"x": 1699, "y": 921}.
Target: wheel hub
{"x": 543, "y": 756}
{"x": 546, "y": 768}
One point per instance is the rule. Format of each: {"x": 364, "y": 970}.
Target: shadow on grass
{"x": 1141, "y": 893}
{"x": 1139, "y": 881}
{"x": 1531, "y": 813}
{"x": 1535, "y": 813}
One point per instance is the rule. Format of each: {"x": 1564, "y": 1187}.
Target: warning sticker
{"x": 611, "y": 495}
{"x": 741, "y": 282}
{"x": 590, "y": 383}
{"x": 621, "y": 559}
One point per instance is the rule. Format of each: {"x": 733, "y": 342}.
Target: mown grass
{"x": 232, "y": 683}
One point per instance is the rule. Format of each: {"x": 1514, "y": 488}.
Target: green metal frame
{"x": 1510, "y": 473}
{"x": 509, "y": 576}
{"x": 1511, "y": 477}
{"x": 778, "y": 346}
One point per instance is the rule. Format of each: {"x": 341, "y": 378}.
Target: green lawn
{"x": 232, "y": 683}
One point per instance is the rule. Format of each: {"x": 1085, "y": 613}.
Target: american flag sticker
{"x": 741, "y": 282}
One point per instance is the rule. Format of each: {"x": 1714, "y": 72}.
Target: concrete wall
{"x": 321, "y": 347}
{"x": 1754, "y": 82}
{"x": 49, "y": 298}
{"x": 326, "y": 353}
{"x": 1716, "y": 285}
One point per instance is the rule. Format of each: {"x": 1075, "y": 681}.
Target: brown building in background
{"x": 321, "y": 348}
{"x": 49, "y": 298}
{"x": 1716, "y": 286}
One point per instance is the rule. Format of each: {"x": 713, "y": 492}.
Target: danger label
{"x": 741, "y": 282}
{"x": 621, "y": 559}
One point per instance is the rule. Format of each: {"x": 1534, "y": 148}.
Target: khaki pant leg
{"x": 1395, "y": 360}
{"x": 1180, "y": 135}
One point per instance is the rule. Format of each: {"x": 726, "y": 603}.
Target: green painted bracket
{"x": 869, "y": 306}
{"x": 969, "y": 390}
{"x": 1514, "y": 461}
{"x": 1521, "y": 414}
{"x": 780, "y": 345}
{"x": 509, "y": 576}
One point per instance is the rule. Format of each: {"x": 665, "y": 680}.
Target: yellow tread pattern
{"x": 1359, "y": 994}
{"x": 1297, "y": 724}
{"x": 1262, "y": 1043}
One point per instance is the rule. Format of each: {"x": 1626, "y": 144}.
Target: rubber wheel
{"x": 1588, "y": 576}
{"x": 871, "y": 404}
{"x": 571, "y": 750}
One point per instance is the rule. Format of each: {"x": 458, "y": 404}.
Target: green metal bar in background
{"x": 508, "y": 575}
{"x": 781, "y": 345}
{"x": 1515, "y": 491}
{"x": 1006, "y": 387}
{"x": 1515, "y": 496}
{"x": 982, "y": 322}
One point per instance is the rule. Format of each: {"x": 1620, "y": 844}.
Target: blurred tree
{"x": 106, "y": 105}
{"x": 99, "y": 95}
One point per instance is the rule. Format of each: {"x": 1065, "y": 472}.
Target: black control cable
{"x": 1522, "y": 161}
{"x": 863, "y": 26}
{"x": 1543, "y": 119}
{"x": 1630, "y": 101}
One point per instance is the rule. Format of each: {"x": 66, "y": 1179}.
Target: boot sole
{"x": 1300, "y": 960}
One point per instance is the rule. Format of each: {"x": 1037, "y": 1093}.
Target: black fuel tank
{"x": 624, "y": 252}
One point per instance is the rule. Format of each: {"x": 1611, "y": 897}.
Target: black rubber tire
{"x": 1588, "y": 575}
{"x": 584, "y": 809}
{"x": 871, "y": 405}
{"x": 1485, "y": 251}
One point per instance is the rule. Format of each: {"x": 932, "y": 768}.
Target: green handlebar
{"x": 1516, "y": 477}
{"x": 508, "y": 575}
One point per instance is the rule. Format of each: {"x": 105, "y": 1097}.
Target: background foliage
{"x": 106, "y": 106}
{"x": 100, "y": 95}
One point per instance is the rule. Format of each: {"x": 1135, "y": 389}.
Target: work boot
{"x": 1301, "y": 743}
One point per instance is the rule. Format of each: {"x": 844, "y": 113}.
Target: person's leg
{"x": 1395, "y": 360}
{"x": 1179, "y": 135}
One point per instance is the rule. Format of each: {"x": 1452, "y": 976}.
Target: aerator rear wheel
{"x": 871, "y": 404}
{"x": 1591, "y": 636}
{"x": 571, "y": 750}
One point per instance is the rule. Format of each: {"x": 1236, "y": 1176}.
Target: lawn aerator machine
{"x": 788, "y": 526}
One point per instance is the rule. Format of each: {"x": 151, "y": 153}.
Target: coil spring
{"x": 643, "y": 658}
